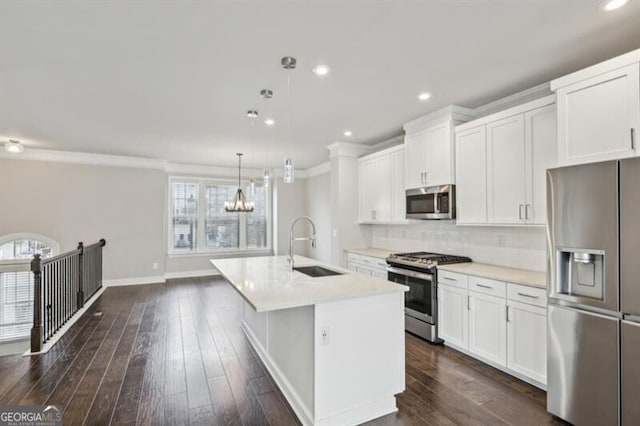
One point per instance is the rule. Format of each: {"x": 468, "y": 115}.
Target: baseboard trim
{"x": 190, "y": 274}
{"x": 158, "y": 279}
{"x": 68, "y": 325}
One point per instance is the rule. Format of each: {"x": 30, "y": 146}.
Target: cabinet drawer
{"x": 526, "y": 294}
{"x": 453, "y": 279}
{"x": 488, "y": 286}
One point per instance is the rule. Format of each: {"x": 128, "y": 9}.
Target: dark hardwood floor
{"x": 174, "y": 354}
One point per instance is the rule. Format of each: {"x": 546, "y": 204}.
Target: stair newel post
{"x": 36, "y": 330}
{"x": 80, "y": 275}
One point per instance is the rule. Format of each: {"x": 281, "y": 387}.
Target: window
{"x": 16, "y": 282}
{"x": 199, "y": 221}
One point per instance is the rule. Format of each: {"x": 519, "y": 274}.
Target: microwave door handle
{"x": 436, "y": 199}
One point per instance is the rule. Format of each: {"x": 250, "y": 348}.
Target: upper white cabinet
{"x": 599, "y": 111}
{"x": 429, "y": 147}
{"x": 381, "y": 186}
{"x": 471, "y": 176}
{"x": 501, "y": 165}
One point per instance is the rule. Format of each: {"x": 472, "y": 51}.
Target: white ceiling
{"x": 173, "y": 80}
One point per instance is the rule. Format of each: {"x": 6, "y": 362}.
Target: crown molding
{"x": 346, "y": 149}
{"x": 86, "y": 158}
{"x": 451, "y": 112}
{"x": 533, "y": 93}
{"x": 318, "y": 170}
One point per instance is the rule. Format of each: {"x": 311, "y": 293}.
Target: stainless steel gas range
{"x": 418, "y": 271}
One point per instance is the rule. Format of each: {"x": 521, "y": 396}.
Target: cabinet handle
{"x": 633, "y": 138}
{"x": 526, "y": 211}
{"x": 520, "y": 211}
{"x": 484, "y": 286}
{"x": 449, "y": 279}
{"x": 528, "y": 295}
{"x": 468, "y": 302}
{"x": 507, "y": 313}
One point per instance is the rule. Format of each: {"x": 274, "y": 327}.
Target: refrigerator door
{"x": 630, "y": 236}
{"x": 582, "y": 366}
{"x": 582, "y": 213}
{"x": 630, "y": 372}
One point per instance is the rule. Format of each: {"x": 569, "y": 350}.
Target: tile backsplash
{"x": 515, "y": 247}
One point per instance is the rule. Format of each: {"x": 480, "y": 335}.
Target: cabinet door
{"x": 596, "y": 117}
{"x": 416, "y": 157}
{"x": 505, "y": 170}
{"x": 471, "y": 176}
{"x": 453, "y": 316}
{"x": 366, "y": 185}
{"x": 541, "y": 154}
{"x": 381, "y": 191}
{"x": 487, "y": 327}
{"x": 527, "y": 340}
{"x": 398, "y": 203}
{"x": 439, "y": 159}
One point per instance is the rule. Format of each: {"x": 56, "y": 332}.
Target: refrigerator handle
{"x": 633, "y": 138}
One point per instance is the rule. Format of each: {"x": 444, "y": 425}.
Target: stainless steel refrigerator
{"x": 593, "y": 234}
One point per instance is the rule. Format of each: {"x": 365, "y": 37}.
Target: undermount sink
{"x": 316, "y": 271}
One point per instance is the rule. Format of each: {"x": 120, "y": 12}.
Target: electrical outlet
{"x": 325, "y": 337}
{"x": 334, "y": 232}
{"x": 155, "y": 265}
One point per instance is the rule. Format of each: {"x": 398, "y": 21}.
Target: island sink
{"x": 316, "y": 271}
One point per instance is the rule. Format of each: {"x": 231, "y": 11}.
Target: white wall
{"x": 318, "y": 207}
{"x": 515, "y": 247}
{"x": 71, "y": 203}
{"x": 289, "y": 204}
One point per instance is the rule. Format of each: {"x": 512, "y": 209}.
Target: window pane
{"x": 257, "y": 220}
{"x": 24, "y": 249}
{"x": 185, "y": 216}
{"x": 16, "y": 304}
{"x": 222, "y": 229}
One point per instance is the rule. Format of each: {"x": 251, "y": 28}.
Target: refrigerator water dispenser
{"x": 581, "y": 273}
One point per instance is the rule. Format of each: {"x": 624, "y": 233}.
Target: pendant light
{"x": 267, "y": 94}
{"x": 239, "y": 204}
{"x": 288, "y": 63}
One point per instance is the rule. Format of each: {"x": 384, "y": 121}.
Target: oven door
{"x": 418, "y": 301}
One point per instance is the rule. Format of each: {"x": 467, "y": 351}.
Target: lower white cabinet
{"x": 527, "y": 340}
{"x": 487, "y": 328}
{"x": 505, "y": 328}
{"x": 453, "y": 315}
{"x": 367, "y": 265}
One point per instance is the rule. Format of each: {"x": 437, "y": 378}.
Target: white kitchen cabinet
{"x": 599, "y": 111}
{"x": 429, "y": 147}
{"x": 519, "y": 146}
{"x": 471, "y": 176}
{"x": 495, "y": 321}
{"x": 381, "y": 186}
{"x": 505, "y": 170}
{"x": 527, "y": 340}
{"x": 487, "y": 328}
{"x": 453, "y": 315}
{"x": 367, "y": 265}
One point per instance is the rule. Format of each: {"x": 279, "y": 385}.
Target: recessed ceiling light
{"x": 609, "y": 5}
{"x": 424, "y": 96}
{"x": 252, "y": 113}
{"x": 269, "y": 122}
{"x": 347, "y": 133}
{"x": 321, "y": 70}
{"x": 13, "y": 147}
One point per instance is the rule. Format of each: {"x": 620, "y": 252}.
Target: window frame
{"x": 201, "y": 246}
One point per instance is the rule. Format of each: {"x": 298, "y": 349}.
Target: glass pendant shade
{"x": 289, "y": 172}
{"x": 252, "y": 188}
{"x": 239, "y": 204}
{"x": 266, "y": 179}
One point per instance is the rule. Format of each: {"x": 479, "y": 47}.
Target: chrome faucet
{"x": 291, "y": 239}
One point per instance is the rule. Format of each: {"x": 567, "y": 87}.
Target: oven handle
{"x": 413, "y": 274}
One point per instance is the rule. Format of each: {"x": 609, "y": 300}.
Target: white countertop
{"x": 373, "y": 252}
{"x": 267, "y": 285}
{"x": 500, "y": 273}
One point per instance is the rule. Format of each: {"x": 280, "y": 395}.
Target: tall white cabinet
{"x": 429, "y": 147}
{"x": 501, "y": 165}
{"x": 381, "y": 186}
{"x": 599, "y": 111}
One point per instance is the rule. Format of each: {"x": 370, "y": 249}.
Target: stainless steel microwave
{"x": 431, "y": 202}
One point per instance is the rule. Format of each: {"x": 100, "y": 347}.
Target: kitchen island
{"x": 333, "y": 344}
